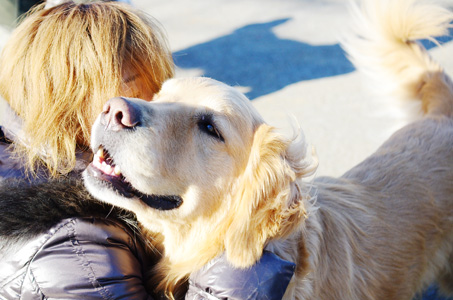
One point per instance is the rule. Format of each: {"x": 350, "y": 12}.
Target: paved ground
{"x": 284, "y": 54}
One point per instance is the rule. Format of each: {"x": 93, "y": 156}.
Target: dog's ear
{"x": 268, "y": 201}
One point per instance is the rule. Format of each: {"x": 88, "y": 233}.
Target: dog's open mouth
{"x": 103, "y": 168}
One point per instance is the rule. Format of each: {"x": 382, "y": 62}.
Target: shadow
{"x": 428, "y": 44}
{"x": 253, "y": 56}
{"x": 432, "y": 293}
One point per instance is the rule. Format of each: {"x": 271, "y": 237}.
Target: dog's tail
{"x": 384, "y": 46}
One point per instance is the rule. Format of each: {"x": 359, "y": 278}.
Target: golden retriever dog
{"x": 199, "y": 166}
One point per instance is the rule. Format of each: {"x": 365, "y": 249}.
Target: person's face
{"x": 134, "y": 86}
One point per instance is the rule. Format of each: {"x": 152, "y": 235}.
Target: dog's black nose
{"x": 119, "y": 113}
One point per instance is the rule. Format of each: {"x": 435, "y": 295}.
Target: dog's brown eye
{"x": 206, "y": 124}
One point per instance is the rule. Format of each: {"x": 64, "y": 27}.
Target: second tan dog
{"x": 200, "y": 166}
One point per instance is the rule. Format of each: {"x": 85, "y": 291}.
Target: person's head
{"x": 63, "y": 63}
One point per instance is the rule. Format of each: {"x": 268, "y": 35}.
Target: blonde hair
{"x": 63, "y": 63}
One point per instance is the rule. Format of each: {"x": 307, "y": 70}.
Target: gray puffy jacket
{"x": 77, "y": 258}
{"x": 78, "y": 252}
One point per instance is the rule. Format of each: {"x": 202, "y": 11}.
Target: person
{"x": 57, "y": 70}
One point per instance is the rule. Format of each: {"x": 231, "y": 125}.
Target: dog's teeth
{"x": 109, "y": 170}
{"x": 97, "y": 163}
{"x": 100, "y": 153}
{"x": 117, "y": 170}
{"x": 106, "y": 168}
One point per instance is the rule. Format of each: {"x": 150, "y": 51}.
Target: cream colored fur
{"x": 384, "y": 230}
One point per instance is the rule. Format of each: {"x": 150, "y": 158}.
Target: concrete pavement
{"x": 285, "y": 56}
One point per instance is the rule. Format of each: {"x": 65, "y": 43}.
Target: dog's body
{"x": 200, "y": 166}
{"x": 384, "y": 229}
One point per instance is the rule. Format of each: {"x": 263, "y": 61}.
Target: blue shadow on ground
{"x": 440, "y": 40}
{"x": 253, "y": 56}
{"x": 432, "y": 294}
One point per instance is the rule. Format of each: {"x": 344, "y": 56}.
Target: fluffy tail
{"x": 384, "y": 46}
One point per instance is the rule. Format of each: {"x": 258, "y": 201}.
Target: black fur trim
{"x": 29, "y": 209}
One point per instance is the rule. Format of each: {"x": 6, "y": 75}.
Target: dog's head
{"x": 199, "y": 165}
